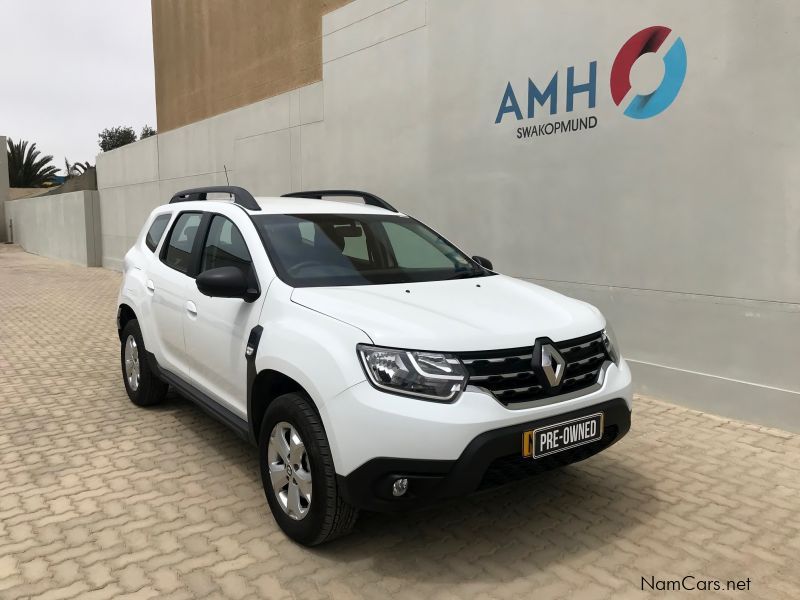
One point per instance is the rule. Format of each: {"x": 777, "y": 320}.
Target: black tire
{"x": 150, "y": 390}
{"x": 329, "y": 516}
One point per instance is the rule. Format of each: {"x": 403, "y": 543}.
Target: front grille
{"x": 509, "y": 375}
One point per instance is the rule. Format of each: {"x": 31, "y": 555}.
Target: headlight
{"x": 610, "y": 342}
{"x": 428, "y": 375}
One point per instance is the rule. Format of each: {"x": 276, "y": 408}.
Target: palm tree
{"x": 81, "y": 167}
{"x": 25, "y": 168}
{"x": 75, "y": 169}
{"x": 69, "y": 169}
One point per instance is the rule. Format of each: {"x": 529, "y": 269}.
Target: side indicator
{"x": 252, "y": 342}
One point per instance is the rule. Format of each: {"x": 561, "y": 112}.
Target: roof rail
{"x": 240, "y": 195}
{"x": 368, "y": 198}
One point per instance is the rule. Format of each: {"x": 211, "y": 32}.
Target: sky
{"x": 70, "y": 68}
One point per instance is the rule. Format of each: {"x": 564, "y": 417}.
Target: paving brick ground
{"x": 99, "y": 499}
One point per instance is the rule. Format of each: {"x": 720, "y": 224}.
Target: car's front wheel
{"x": 298, "y": 473}
{"x": 143, "y": 386}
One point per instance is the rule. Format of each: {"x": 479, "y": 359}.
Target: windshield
{"x": 334, "y": 250}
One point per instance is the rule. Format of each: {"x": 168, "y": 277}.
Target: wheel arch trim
{"x": 264, "y": 386}
{"x": 125, "y": 314}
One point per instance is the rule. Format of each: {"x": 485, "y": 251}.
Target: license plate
{"x": 562, "y": 436}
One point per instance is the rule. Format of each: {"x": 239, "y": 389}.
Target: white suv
{"x": 374, "y": 364}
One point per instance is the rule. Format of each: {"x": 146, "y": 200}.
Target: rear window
{"x": 178, "y": 254}
{"x": 156, "y": 231}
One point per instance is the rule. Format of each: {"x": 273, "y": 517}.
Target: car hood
{"x": 485, "y": 313}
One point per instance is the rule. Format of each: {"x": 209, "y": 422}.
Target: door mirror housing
{"x": 226, "y": 282}
{"x": 484, "y": 262}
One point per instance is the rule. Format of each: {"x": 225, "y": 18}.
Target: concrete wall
{"x": 64, "y": 226}
{"x": 212, "y": 56}
{"x": 683, "y": 228}
{"x": 4, "y": 235}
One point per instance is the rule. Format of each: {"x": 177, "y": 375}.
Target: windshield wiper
{"x": 466, "y": 275}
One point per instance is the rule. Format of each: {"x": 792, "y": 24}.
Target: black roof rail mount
{"x": 240, "y": 195}
{"x": 368, "y": 198}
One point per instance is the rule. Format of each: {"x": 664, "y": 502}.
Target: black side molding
{"x": 368, "y": 198}
{"x": 250, "y": 352}
{"x": 208, "y": 405}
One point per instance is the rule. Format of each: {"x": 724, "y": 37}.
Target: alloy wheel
{"x": 289, "y": 470}
{"x": 132, "y": 370}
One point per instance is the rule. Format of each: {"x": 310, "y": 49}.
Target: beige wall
{"x": 213, "y": 56}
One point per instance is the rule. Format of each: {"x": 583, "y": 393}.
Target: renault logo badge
{"x": 552, "y": 365}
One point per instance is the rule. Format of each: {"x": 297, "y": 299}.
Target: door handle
{"x": 151, "y": 287}
{"x": 191, "y": 308}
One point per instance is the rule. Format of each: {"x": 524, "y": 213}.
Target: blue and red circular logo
{"x": 644, "y": 106}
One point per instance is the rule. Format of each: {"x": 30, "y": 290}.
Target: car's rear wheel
{"x": 298, "y": 473}
{"x": 143, "y": 386}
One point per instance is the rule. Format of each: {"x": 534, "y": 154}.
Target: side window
{"x": 225, "y": 247}
{"x": 414, "y": 251}
{"x": 156, "y": 231}
{"x": 178, "y": 254}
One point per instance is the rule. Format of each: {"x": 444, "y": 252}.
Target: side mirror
{"x": 226, "y": 282}
{"x": 484, "y": 262}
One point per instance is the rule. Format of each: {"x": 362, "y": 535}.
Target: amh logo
{"x": 510, "y": 105}
{"x": 640, "y": 106}
{"x": 645, "y": 41}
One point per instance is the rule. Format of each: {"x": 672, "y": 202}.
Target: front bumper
{"x": 364, "y": 423}
{"x": 492, "y": 458}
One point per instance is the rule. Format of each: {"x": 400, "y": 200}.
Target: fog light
{"x": 400, "y": 487}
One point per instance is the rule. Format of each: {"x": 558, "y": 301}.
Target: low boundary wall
{"x": 63, "y": 226}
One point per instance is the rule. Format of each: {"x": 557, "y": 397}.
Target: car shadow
{"x": 239, "y": 453}
{"x": 518, "y": 528}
